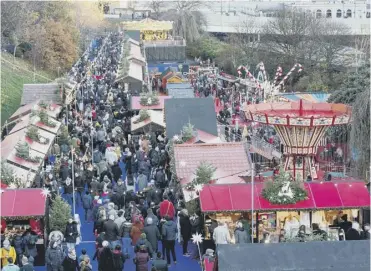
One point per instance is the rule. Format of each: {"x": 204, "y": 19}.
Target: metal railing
{"x": 171, "y": 42}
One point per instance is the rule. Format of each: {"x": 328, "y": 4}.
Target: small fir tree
{"x": 7, "y": 173}
{"x": 187, "y": 132}
{"x": 22, "y": 150}
{"x": 59, "y": 214}
{"x": 33, "y": 133}
{"x": 204, "y": 173}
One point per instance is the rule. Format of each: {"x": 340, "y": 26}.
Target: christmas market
{"x": 171, "y": 144}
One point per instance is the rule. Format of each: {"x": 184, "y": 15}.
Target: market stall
{"x": 150, "y": 29}
{"x": 153, "y": 122}
{"x": 26, "y": 210}
{"x": 228, "y": 203}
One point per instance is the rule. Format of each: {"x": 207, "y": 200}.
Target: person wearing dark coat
{"x": 87, "y": 204}
{"x": 345, "y": 224}
{"x": 152, "y": 233}
{"x": 241, "y": 235}
{"x": 353, "y": 232}
{"x": 144, "y": 242}
{"x": 160, "y": 178}
{"x": 71, "y": 234}
{"x": 159, "y": 263}
{"x": 185, "y": 229}
{"x": 111, "y": 230}
{"x": 18, "y": 245}
{"x": 70, "y": 262}
{"x": 54, "y": 257}
{"x": 27, "y": 264}
{"x": 116, "y": 171}
{"x": 29, "y": 241}
{"x": 105, "y": 262}
{"x": 141, "y": 259}
{"x": 118, "y": 259}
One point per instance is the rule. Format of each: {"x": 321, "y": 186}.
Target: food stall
{"x": 22, "y": 210}
{"x": 324, "y": 201}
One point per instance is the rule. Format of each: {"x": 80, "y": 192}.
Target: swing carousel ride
{"x": 300, "y": 127}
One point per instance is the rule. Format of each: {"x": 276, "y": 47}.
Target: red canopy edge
{"x": 22, "y": 203}
{"x": 327, "y": 195}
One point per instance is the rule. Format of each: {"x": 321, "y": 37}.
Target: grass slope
{"x": 13, "y": 76}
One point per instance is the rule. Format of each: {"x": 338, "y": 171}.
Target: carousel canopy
{"x": 319, "y": 256}
{"x": 327, "y": 195}
{"x": 135, "y": 103}
{"x": 22, "y": 203}
{"x": 148, "y": 25}
{"x": 310, "y": 97}
{"x": 300, "y": 113}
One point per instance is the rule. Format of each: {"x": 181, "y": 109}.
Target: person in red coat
{"x": 167, "y": 208}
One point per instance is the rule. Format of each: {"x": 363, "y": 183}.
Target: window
{"x": 349, "y": 13}
{"x": 328, "y": 13}
{"x": 318, "y": 13}
{"x": 338, "y": 13}
{"x": 367, "y": 14}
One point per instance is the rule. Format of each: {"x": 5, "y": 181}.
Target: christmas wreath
{"x": 33, "y": 134}
{"x": 149, "y": 99}
{"x": 23, "y": 151}
{"x": 284, "y": 191}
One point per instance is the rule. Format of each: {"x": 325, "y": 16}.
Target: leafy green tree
{"x": 204, "y": 173}
{"x": 59, "y": 214}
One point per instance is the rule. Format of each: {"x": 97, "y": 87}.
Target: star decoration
{"x": 197, "y": 238}
{"x": 45, "y": 192}
{"x": 12, "y": 186}
{"x": 199, "y": 187}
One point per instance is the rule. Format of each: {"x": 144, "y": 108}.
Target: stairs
{"x": 263, "y": 148}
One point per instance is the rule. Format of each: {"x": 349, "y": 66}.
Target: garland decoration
{"x": 33, "y": 134}
{"x": 172, "y": 165}
{"x": 284, "y": 191}
{"x": 23, "y": 151}
{"x": 149, "y": 99}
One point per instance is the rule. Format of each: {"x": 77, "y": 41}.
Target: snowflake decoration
{"x": 45, "y": 192}
{"x": 176, "y": 138}
{"x": 149, "y": 101}
{"x": 42, "y": 140}
{"x": 197, "y": 238}
{"x": 182, "y": 163}
{"x": 199, "y": 187}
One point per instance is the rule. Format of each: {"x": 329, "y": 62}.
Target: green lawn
{"x": 13, "y": 76}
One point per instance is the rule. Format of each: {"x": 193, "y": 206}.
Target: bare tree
{"x": 289, "y": 33}
{"x": 157, "y": 6}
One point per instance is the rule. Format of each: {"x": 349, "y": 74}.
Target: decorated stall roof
{"x": 36, "y": 146}
{"x": 327, "y": 195}
{"x": 200, "y": 112}
{"x": 227, "y": 77}
{"x": 203, "y": 137}
{"x": 156, "y": 118}
{"x": 230, "y": 160}
{"x": 148, "y": 25}
{"x": 26, "y": 109}
{"x": 181, "y": 93}
{"x": 299, "y": 256}
{"x": 21, "y": 173}
{"x": 310, "y": 97}
{"x": 135, "y": 103}
{"x": 22, "y": 203}
{"x": 184, "y": 85}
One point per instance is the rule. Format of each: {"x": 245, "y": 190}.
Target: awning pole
{"x": 73, "y": 181}
{"x": 252, "y": 200}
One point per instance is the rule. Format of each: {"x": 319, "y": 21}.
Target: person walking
{"x": 136, "y": 231}
{"x": 111, "y": 231}
{"x": 105, "y": 260}
{"x": 27, "y": 265}
{"x": 54, "y": 257}
{"x": 167, "y": 208}
{"x": 87, "y": 204}
{"x": 152, "y": 233}
{"x": 185, "y": 230}
{"x": 10, "y": 265}
{"x": 7, "y": 251}
{"x": 141, "y": 259}
{"x": 70, "y": 262}
{"x": 221, "y": 234}
{"x": 144, "y": 242}
{"x": 71, "y": 234}
{"x": 159, "y": 263}
{"x": 240, "y": 234}
{"x": 169, "y": 231}
{"x": 118, "y": 259}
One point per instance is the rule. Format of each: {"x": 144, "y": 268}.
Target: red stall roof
{"x": 327, "y": 195}
{"x": 22, "y": 202}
